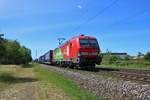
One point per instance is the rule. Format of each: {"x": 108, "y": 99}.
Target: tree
{"x": 11, "y": 52}
{"x": 12, "y": 55}
{"x": 147, "y": 56}
{"x": 2, "y": 50}
{"x": 140, "y": 54}
{"x": 25, "y": 55}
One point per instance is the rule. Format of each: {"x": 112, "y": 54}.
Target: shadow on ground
{"x": 106, "y": 69}
{"x": 10, "y": 79}
{"x": 98, "y": 69}
{"x": 27, "y": 66}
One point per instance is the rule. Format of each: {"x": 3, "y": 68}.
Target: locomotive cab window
{"x": 93, "y": 42}
{"x": 88, "y": 42}
{"x": 84, "y": 42}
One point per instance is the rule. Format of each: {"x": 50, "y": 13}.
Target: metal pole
{"x": 36, "y": 54}
{"x": 1, "y": 35}
{"x": 60, "y": 40}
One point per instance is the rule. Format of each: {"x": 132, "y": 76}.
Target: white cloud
{"x": 79, "y": 6}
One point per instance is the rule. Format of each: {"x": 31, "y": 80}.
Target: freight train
{"x": 80, "y": 51}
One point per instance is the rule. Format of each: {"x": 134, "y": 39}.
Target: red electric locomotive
{"x": 80, "y": 51}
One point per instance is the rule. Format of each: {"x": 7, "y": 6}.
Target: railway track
{"x": 133, "y": 76}
{"x": 127, "y": 74}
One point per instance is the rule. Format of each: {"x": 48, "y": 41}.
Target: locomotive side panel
{"x": 74, "y": 48}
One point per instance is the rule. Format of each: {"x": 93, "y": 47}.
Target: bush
{"x": 113, "y": 59}
{"x": 127, "y": 58}
{"x": 147, "y": 56}
{"x": 110, "y": 59}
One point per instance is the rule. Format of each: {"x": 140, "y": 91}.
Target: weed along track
{"x": 102, "y": 85}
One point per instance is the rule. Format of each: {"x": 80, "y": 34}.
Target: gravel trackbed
{"x": 105, "y": 87}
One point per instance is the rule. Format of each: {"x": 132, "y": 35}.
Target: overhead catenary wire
{"x": 130, "y": 16}
{"x": 93, "y": 17}
{"x": 134, "y": 15}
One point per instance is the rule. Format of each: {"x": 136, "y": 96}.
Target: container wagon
{"x": 48, "y": 57}
{"x": 41, "y": 59}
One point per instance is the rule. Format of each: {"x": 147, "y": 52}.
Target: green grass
{"x": 125, "y": 66}
{"x": 27, "y": 65}
{"x": 68, "y": 86}
{"x": 139, "y": 64}
{"x": 110, "y": 61}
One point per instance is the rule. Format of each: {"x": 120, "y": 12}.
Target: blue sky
{"x": 121, "y": 27}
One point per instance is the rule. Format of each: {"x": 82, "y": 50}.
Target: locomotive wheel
{"x": 60, "y": 64}
{"x": 70, "y": 65}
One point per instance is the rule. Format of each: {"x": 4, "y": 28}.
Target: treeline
{"x": 11, "y": 52}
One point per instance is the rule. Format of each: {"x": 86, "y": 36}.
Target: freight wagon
{"x": 41, "y": 59}
{"x": 46, "y": 58}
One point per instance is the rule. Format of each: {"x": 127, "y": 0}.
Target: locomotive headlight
{"x": 94, "y": 53}
{"x": 84, "y": 53}
{"x": 87, "y": 53}
{"x": 79, "y": 54}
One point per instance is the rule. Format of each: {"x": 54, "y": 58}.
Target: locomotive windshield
{"x": 88, "y": 42}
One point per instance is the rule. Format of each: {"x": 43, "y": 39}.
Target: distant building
{"x": 121, "y": 55}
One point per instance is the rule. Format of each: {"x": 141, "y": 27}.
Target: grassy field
{"x": 41, "y": 84}
{"x": 137, "y": 66}
{"x": 68, "y": 86}
{"x": 111, "y": 61}
{"x": 21, "y": 82}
